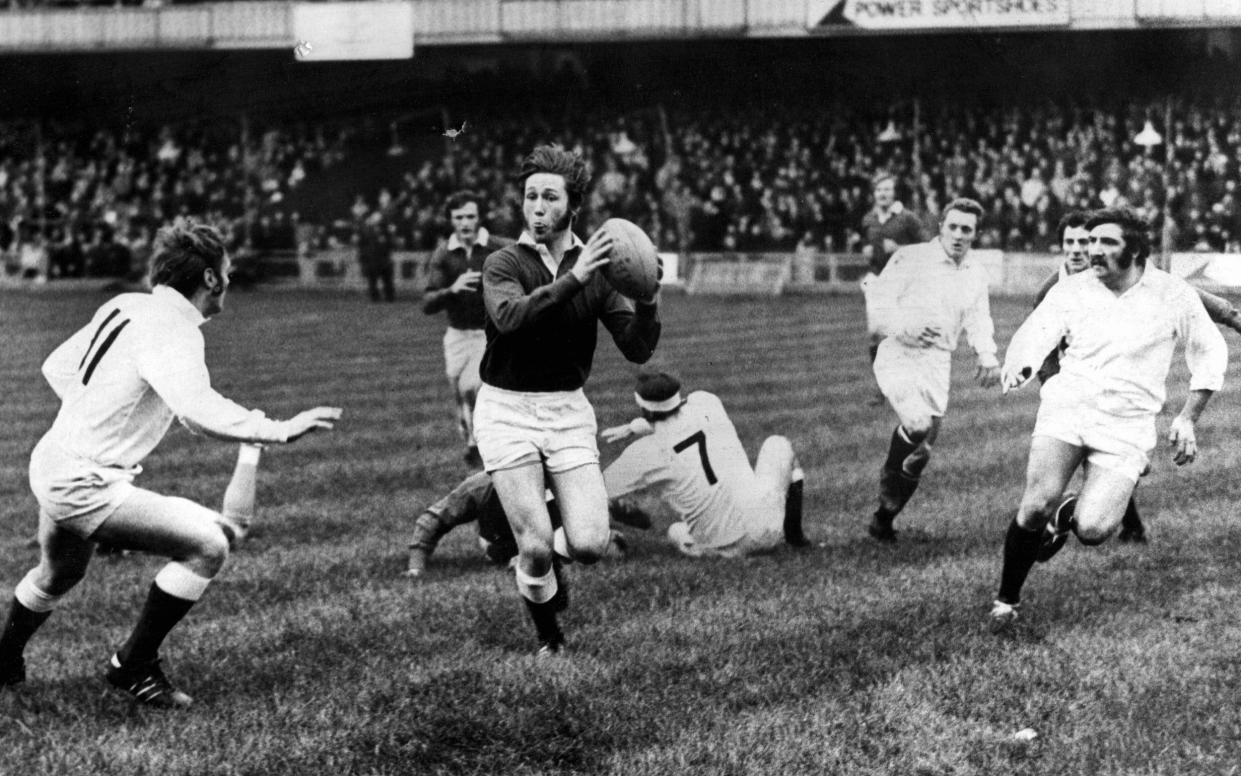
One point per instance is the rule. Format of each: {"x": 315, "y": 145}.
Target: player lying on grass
{"x": 686, "y": 456}
{"x": 1074, "y": 240}
{"x": 121, "y": 380}
{"x": 1121, "y": 322}
{"x": 687, "y": 459}
{"x": 474, "y": 500}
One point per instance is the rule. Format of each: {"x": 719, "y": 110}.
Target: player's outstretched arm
{"x": 319, "y": 418}
{"x": 237, "y": 511}
{"x": 1220, "y": 310}
{"x": 638, "y": 427}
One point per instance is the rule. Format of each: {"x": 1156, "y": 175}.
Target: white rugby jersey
{"x": 1120, "y": 347}
{"x": 922, "y": 286}
{"x": 695, "y": 464}
{"x": 123, "y": 377}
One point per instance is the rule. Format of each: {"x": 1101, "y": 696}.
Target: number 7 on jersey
{"x": 698, "y": 438}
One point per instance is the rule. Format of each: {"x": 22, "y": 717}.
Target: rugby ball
{"x": 634, "y": 267}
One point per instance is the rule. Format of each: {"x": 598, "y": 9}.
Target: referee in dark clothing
{"x": 532, "y": 421}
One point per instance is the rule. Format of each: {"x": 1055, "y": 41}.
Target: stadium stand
{"x": 704, "y": 178}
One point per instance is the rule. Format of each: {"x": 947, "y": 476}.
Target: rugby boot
{"x": 1003, "y": 617}
{"x": 880, "y": 529}
{"x": 146, "y": 684}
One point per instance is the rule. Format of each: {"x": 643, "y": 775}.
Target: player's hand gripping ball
{"x": 633, "y": 267}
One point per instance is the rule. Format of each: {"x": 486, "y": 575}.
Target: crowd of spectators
{"x": 736, "y": 179}
{"x": 91, "y": 201}
{"x": 769, "y": 180}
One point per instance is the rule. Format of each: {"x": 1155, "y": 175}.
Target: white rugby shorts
{"x": 463, "y": 354}
{"x": 1119, "y": 444}
{"x": 75, "y": 493}
{"x": 915, "y": 381}
{"x": 514, "y": 428}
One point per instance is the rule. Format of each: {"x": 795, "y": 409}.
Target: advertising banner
{"x": 896, "y": 15}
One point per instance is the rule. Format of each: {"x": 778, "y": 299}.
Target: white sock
{"x": 180, "y": 581}
{"x": 31, "y": 597}
{"x": 538, "y": 590}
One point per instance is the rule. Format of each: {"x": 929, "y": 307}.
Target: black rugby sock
{"x": 1021, "y": 547}
{"x": 1132, "y": 521}
{"x": 793, "y": 533}
{"x": 899, "y": 448}
{"x": 18, "y": 628}
{"x": 160, "y": 614}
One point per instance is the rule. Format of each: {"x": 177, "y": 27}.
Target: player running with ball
{"x": 545, "y": 298}
{"x": 1121, "y": 322}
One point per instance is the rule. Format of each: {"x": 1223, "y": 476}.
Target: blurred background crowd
{"x": 699, "y": 172}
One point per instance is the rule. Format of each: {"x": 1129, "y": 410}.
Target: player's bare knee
{"x": 1092, "y": 528}
{"x": 536, "y": 552}
{"x": 210, "y": 552}
{"x": 590, "y": 551}
{"x": 1036, "y": 510}
{"x": 918, "y": 427}
{"x": 1094, "y": 534}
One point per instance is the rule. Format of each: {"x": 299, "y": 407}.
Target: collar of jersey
{"x": 172, "y": 299}
{"x": 483, "y": 237}
{"x": 1147, "y": 280}
{"x": 548, "y": 260}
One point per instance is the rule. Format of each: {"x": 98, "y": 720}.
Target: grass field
{"x": 311, "y": 655}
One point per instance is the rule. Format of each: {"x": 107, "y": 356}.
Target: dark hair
{"x": 655, "y": 417}
{"x": 1133, "y": 228}
{"x": 460, "y": 199}
{"x": 183, "y": 251}
{"x": 1074, "y": 219}
{"x": 555, "y": 160}
{"x": 965, "y": 205}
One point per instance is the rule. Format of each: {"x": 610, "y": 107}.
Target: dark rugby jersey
{"x": 902, "y": 227}
{"x": 449, "y": 262}
{"x": 542, "y": 331}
